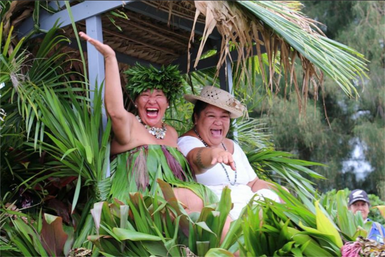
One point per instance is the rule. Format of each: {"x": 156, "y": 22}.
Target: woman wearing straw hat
{"x": 218, "y": 161}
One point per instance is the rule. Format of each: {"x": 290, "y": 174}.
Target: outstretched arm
{"x": 259, "y": 184}
{"x": 204, "y": 158}
{"x": 121, "y": 119}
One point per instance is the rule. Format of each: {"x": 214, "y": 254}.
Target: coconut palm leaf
{"x": 282, "y": 168}
{"x": 12, "y": 59}
{"x": 24, "y": 68}
{"x": 45, "y": 66}
{"x": 47, "y": 69}
{"x": 17, "y": 163}
{"x": 74, "y": 128}
{"x": 251, "y": 134}
{"x": 318, "y": 49}
{"x": 285, "y": 33}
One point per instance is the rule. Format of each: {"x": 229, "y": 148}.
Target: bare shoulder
{"x": 126, "y": 130}
{"x": 189, "y": 133}
{"x": 171, "y": 130}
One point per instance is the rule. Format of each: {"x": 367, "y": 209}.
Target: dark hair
{"x": 198, "y": 108}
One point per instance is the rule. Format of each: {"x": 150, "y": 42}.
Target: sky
{"x": 357, "y": 162}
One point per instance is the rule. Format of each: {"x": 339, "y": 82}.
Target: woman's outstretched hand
{"x": 104, "y": 49}
{"x": 222, "y": 156}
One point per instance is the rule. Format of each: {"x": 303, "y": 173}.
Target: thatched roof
{"x": 177, "y": 32}
{"x": 144, "y": 38}
{"x": 156, "y": 32}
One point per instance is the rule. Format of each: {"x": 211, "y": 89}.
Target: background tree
{"x": 336, "y": 126}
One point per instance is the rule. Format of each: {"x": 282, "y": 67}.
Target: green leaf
{"x": 156, "y": 248}
{"x": 219, "y": 252}
{"x": 325, "y": 225}
{"x": 89, "y": 154}
{"x": 309, "y": 246}
{"x": 77, "y": 193}
{"x": 204, "y": 226}
{"x": 68, "y": 152}
{"x": 128, "y": 234}
{"x": 381, "y": 208}
{"x": 202, "y": 247}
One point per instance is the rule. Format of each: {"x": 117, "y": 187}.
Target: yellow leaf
{"x": 381, "y": 208}
{"x": 325, "y": 225}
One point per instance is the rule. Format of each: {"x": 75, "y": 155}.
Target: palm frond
{"x": 283, "y": 169}
{"x": 74, "y": 128}
{"x": 285, "y": 33}
{"x": 251, "y": 134}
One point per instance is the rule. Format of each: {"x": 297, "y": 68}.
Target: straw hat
{"x": 219, "y": 98}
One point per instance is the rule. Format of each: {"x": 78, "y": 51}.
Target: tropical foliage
{"x": 286, "y": 34}
{"x": 344, "y": 134}
{"x": 56, "y": 185}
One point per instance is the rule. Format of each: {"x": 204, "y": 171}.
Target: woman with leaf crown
{"x": 143, "y": 146}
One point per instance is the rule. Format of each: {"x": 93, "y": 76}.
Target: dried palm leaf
{"x": 286, "y": 34}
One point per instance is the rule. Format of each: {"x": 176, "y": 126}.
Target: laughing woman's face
{"x": 213, "y": 125}
{"x": 152, "y": 105}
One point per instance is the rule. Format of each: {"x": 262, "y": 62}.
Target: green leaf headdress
{"x": 167, "y": 79}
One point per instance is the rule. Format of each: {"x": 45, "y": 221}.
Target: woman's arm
{"x": 204, "y": 158}
{"x": 258, "y": 184}
{"x": 121, "y": 119}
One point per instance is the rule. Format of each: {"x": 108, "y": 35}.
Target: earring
{"x": 168, "y": 107}
{"x": 136, "y": 106}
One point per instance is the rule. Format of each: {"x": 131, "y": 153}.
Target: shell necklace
{"x": 223, "y": 166}
{"x": 158, "y": 133}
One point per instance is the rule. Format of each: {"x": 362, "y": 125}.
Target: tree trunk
{"x": 381, "y": 187}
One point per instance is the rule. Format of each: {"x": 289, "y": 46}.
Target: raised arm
{"x": 121, "y": 119}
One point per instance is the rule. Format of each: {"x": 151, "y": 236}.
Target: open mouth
{"x": 216, "y": 132}
{"x": 152, "y": 112}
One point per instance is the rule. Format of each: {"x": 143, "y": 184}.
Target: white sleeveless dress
{"x": 216, "y": 178}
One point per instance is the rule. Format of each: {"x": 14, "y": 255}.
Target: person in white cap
{"x": 218, "y": 161}
{"x": 359, "y": 201}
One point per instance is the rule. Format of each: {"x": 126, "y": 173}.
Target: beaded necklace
{"x": 158, "y": 133}
{"x": 223, "y": 166}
